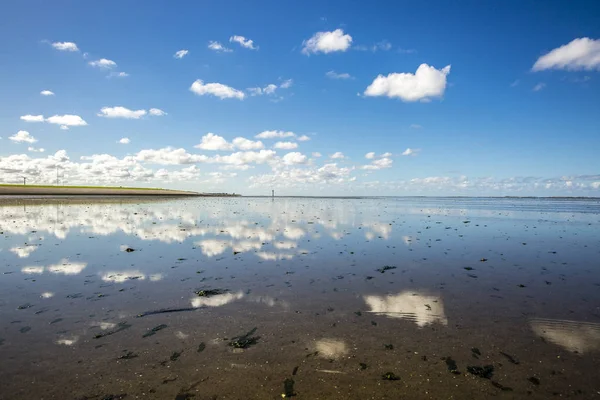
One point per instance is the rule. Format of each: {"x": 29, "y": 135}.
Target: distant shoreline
{"x": 26, "y": 190}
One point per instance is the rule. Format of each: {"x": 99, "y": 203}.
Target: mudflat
{"x": 257, "y": 298}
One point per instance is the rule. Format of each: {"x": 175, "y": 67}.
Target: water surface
{"x": 457, "y": 297}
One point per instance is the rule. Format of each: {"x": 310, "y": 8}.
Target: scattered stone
{"x": 534, "y": 380}
{"x": 510, "y": 358}
{"x": 201, "y": 347}
{"x": 452, "y": 367}
{"x": 153, "y": 331}
{"x": 244, "y": 341}
{"x": 390, "y": 376}
{"x": 487, "y": 371}
{"x": 385, "y": 268}
{"x": 288, "y": 388}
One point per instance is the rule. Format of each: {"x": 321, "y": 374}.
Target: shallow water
{"x": 340, "y": 291}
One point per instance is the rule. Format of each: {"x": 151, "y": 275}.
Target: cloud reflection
{"x": 421, "y": 308}
{"x": 581, "y": 337}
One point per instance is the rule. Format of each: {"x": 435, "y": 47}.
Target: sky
{"x": 490, "y": 98}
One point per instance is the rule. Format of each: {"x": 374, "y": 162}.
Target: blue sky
{"x": 514, "y": 114}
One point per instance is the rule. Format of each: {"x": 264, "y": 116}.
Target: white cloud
{"x": 181, "y": 53}
{"x": 338, "y": 155}
{"x": 157, "y": 112}
{"x": 23, "y": 252}
{"x": 274, "y": 135}
{"x": 539, "y": 87}
{"x": 335, "y": 75}
{"x": 121, "y": 112}
{"x": 247, "y": 43}
{"x": 22, "y": 136}
{"x": 303, "y": 138}
{"x": 579, "y": 54}
{"x": 246, "y": 144}
{"x": 245, "y": 157}
{"x": 47, "y": 93}
{"x": 287, "y": 84}
{"x": 416, "y": 126}
{"x": 388, "y": 154}
{"x": 286, "y": 145}
{"x": 327, "y": 42}
{"x": 218, "y": 47}
{"x": 216, "y": 89}
{"x": 103, "y": 63}
{"x": 379, "y": 164}
{"x": 169, "y": 156}
{"x": 32, "y": 118}
{"x": 410, "y": 152}
{"x": 270, "y": 88}
{"x": 426, "y": 83}
{"x": 65, "y": 46}
{"x": 370, "y": 155}
{"x": 115, "y": 74}
{"x": 294, "y": 158}
{"x": 124, "y": 140}
{"x": 36, "y": 150}
{"x": 66, "y": 120}
{"x": 210, "y": 141}
{"x": 316, "y": 154}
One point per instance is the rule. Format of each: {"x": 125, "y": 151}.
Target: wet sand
{"x": 463, "y": 298}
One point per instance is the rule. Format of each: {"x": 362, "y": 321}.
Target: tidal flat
{"x": 312, "y": 298}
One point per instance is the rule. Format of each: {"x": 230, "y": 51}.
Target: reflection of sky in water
{"x": 580, "y": 337}
{"x": 420, "y": 308}
{"x": 211, "y": 242}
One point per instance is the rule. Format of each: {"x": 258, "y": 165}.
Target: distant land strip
{"x": 43, "y": 190}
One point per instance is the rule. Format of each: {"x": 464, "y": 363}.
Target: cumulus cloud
{"x": 245, "y": 157}
{"x": 22, "y": 137}
{"x": 210, "y": 141}
{"x": 246, "y": 144}
{"x": 66, "y": 120}
{"x": 65, "y": 46}
{"x": 370, "y": 155}
{"x": 247, "y": 43}
{"x": 121, "y": 112}
{"x": 335, "y": 75}
{"x": 294, "y": 158}
{"x": 327, "y": 42}
{"x": 103, "y": 63}
{"x": 316, "y": 154}
{"x": 32, "y": 118}
{"x": 410, "y": 152}
{"x": 36, "y": 149}
{"x": 124, "y": 140}
{"x": 286, "y": 145}
{"x": 216, "y": 89}
{"x": 579, "y": 54}
{"x": 338, "y": 155}
{"x": 157, "y": 112}
{"x": 270, "y": 88}
{"x": 63, "y": 120}
{"x": 303, "y": 138}
{"x": 381, "y": 163}
{"x": 181, "y": 53}
{"x": 47, "y": 93}
{"x": 290, "y": 177}
{"x": 426, "y": 83}
{"x": 274, "y": 135}
{"x": 115, "y": 74}
{"x": 539, "y": 87}
{"x": 169, "y": 156}
{"x": 218, "y": 47}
